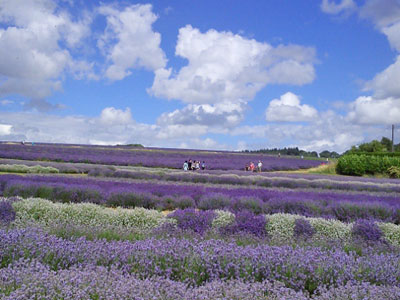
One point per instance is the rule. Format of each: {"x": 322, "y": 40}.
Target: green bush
{"x": 358, "y": 165}
{"x": 394, "y": 172}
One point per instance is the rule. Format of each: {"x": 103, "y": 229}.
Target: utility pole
{"x": 392, "y": 137}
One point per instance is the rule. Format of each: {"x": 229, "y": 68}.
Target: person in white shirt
{"x": 259, "y": 166}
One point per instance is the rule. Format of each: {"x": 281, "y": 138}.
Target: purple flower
{"x": 303, "y": 228}
{"x": 366, "y": 230}
{"x": 189, "y": 218}
{"x": 7, "y": 213}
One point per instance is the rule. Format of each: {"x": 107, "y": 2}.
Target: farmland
{"x": 93, "y": 222}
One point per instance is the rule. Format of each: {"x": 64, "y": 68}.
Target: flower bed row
{"x": 284, "y": 226}
{"x": 256, "y": 180}
{"x": 342, "y": 206}
{"x": 197, "y": 262}
{"x": 32, "y": 280}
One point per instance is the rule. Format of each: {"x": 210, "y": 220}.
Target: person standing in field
{"x": 252, "y": 167}
{"x": 190, "y": 165}
{"x": 259, "y": 166}
{"x": 185, "y": 166}
{"x": 203, "y": 165}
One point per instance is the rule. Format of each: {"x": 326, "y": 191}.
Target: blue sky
{"x": 200, "y": 74}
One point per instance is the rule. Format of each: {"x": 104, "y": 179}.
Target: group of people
{"x": 193, "y": 165}
{"x": 252, "y": 167}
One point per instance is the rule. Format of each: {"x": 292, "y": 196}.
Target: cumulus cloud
{"x": 288, "y": 109}
{"x": 334, "y": 8}
{"x": 387, "y": 82}
{"x": 368, "y": 110}
{"x": 136, "y": 44}
{"x": 112, "y": 126}
{"x": 224, "y": 67}
{"x": 383, "y": 106}
{"x": 385, "y": 14}
{"x": 327, "y": 131}
{"x": 219, "y": 115}
{"x": 32, "y": 60}
{"x": 5, "y": 129}
{"x": 113, "y": 116}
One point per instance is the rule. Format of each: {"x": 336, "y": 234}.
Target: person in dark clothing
{"x": 190, "y": 164}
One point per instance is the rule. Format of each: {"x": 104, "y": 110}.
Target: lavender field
{"x": 80, "y": 222}
{"x": 167, "y": 158}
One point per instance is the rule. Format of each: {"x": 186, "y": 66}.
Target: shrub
{"x": 366, "y": 230}
{"x": 330, "y": 229}
{"x": 247, "y": 222}
{"x": 191, "y": 219}
{"x": 214, "y": 201}
{"x": 281, "y": 225}
{"x": 247, "y": 203}
{"x": 7, "y": 213}
{"x": 303, "y": 228}
{"x": 359, "y": 165}
{"x": 394, "y": 172}
{"x": 223, "y": 218}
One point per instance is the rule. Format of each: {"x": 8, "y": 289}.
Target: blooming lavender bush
{"x": 7, "y": 212}
{"x": 197, "y": 262}
{"x": 303, "y": 228}
{"x": 30, "y": 280}
{"x": 247, "y": 222}
{"x": 191, "y": 219}
{"x": 367, "y": 230}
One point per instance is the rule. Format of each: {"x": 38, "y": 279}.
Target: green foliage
{"x": 394, "y": 172}
{"x": 358, "y": 165}
{"x": 390, "y": 154}
{"x": 27, "y": 169}
{"x": 328, "y": 154}
{"x": 285, "y": 151}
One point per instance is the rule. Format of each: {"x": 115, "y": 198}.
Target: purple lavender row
{"x": 149, "y": 158}
{"x": 197, "y": 262}
{"x": 305, "y": 176}
{"x": 313, "y": 203}
{"x": 30, "y": 280}
{"x": 263, "y": 181}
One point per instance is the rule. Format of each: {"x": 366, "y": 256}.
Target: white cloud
{"x": 227, "y": 68}
{"x": 105, "y": 129}
{"x": 387, "y": 82}
{"x": 368, "y": 110}
{"x": 334, "y": 8}
{"x": 137, "y": 45}
{"x": 113, "y": 116}
{"x": 289, "y": 109}
{"x": 328, "y": 131}
{"x": 382, "y": 12}
{"x": 32, "y": 60}
{"x": 5, "y": 129}
{"x": 219, "y": 115}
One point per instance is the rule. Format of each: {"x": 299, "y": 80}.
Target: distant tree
{"x": 325, "y": 154}
{"x": 335, "y": 154}
{"x": 374, "y": 146}
{"x": 387, "y": 143}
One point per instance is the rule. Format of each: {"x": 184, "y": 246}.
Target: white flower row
{"x": 46, "y": 212}
{"x": 278, "y": 225}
